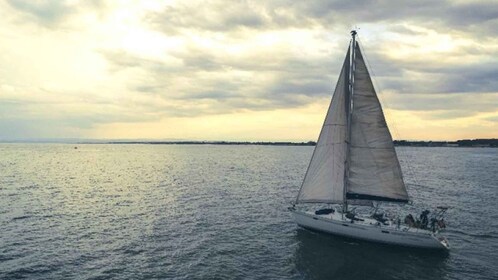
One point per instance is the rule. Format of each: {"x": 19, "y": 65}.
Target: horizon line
{"x": 173, "y": 141}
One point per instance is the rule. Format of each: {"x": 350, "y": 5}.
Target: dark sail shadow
{"x": 323, "y": 256}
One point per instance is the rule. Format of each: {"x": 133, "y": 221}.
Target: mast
{"x": 349, "y": 111}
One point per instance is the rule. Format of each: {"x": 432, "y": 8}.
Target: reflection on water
{"x": 322, "y": 256}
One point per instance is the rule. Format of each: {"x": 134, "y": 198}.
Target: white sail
{"x": 374, "y": 170}
{"x": 324, "y": 180}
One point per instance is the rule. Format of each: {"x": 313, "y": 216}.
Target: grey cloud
{"x": 211, "y": 90}
{"x": 257, "y": 60}
{"x": 473, "y": 13}
{"x": 443, "y": 106}
{"x": 299, "y": 81}
{"x": 309, "y": 88}
{"x": 443, "y": 78}
{"x": 19, "y": 117}
{"x": 206, "y": 76}
{"x": 413, "y": 74}
{"x": 121, "y": 60}
{"x": 197, "y": 81}
{"x": 470, "y": 17}
{"x": 202, "y": 60}
{"x": 47, "y": 11}
{"x": 471, "y": 79}
{"x": 334, "y": 15}
{"x": 442, "y": 14}
{"x": 213, "y": 94}
{"x": 54, "y": 13}
{"x": 210, "y": 15}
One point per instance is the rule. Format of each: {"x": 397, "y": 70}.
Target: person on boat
{"x": 433, "y": 224}
{"x": 409, "y": 220}
{"x": 350, "y": 215}
{"x": 424, "y": 219}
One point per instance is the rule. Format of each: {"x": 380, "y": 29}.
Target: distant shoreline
{"x": 478, "y": 143}
{"x": 400, "y": 143}
{"x": 310, "y": 143}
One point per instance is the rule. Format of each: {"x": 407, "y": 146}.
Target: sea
{"x": 133, "y": 211}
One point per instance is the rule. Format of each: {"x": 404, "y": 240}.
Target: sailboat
{"x": 354, "y": 163}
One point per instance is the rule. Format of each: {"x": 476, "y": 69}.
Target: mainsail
{"x": 374, "y": 170}
{"x": 324, "y": 179}
{"x": 365, "y": 169}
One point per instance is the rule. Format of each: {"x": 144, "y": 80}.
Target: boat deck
{"x": 368, "y": 221}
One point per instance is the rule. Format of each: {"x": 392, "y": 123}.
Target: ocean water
{"x": 220, "y": 212}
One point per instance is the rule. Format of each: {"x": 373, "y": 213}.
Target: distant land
{"x": 459, "y": 143}
{"x": 309, "y": 143}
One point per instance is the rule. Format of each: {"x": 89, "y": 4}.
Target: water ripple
{"x": 220, "y": 212}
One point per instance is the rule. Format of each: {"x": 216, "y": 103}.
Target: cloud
{"x": 53, "y": 14}
{"x": 407, "y": 75}
{"x": 210, "y": 15}
{"x": 219, "y": 16}
{"x": 444, "y": 106}
{"x": 433, "y": 78}
{"x": 222, "y": 16}
{"x": 47, "y": 12}
{"x": 150, "y": 61}
{"x": 222, "y": 82}
{"x": 446, "y": 15}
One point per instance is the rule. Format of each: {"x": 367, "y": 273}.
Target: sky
{"x": 241, "y": 70}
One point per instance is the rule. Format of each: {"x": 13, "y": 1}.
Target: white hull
{"x": 334, "y": 224}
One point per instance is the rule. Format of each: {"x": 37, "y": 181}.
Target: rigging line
{"x": 389, "y": 115}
